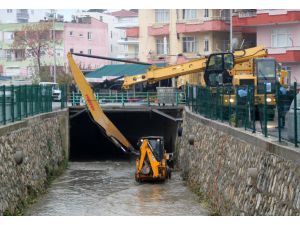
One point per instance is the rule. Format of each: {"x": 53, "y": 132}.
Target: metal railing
{"x": 131, "y": 98}
{"x": 22, "y": 101}
{"x": 272, "y": 112}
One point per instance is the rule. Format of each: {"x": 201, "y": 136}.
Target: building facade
{"x": 27, "y": 15}
{"x": 277, "y": 30}
{"x": 17, "y": 62}
{"x": 127, "y": 22}
{"x": 114, "y": 34}
{"x": 87, "y": 35}
{"x": 165, "y": 33}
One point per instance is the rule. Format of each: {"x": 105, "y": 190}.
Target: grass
{"x": 204, "y": 200}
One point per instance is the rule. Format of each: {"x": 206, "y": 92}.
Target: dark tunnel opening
{"x": 88, "y": 143}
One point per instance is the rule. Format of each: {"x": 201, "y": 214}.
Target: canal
{"x": 102, "y": 188}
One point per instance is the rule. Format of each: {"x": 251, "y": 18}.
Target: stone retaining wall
{"x": 217, "y": 167}
{"x": 42, "y": 144}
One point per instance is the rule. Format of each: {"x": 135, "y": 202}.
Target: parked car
{"x": 56, "y": 92}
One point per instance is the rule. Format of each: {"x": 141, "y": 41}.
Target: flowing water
{"x": 109, "y": 188}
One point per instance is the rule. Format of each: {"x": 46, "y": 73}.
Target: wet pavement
{"x": 109, "y": 188}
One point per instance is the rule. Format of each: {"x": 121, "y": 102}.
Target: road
{"x": 108, "y": 188}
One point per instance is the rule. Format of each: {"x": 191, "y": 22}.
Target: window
{"x": 32, "y": 11}
{"x": 161, "y": 49}
{"x": 206, "y": 45}
{"x": 80, "y": 35}
{"x": 71, "y": 50}
{"x": 71, "y": 33}
{"x": 189, "y": 14}
{"x": 162, "y": 15}
{"x": 81, "y": 52}
{"x": 281, "y": 38}
{"x": 111, "y": 48}
{"x": 89, "y": 34}
{"x": 89, "y": 51}
{"x": 111, "y": 34}
{"x": 189, "y": 44}
{"x": 289, "y": 70}
{"x": 206, "y": 13}
{"x": 9, "y": 10}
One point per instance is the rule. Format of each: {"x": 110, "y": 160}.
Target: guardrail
{"x": 22, "y": 101}
{"x": 272, "y": 111}
{"x": 131, "y": 98}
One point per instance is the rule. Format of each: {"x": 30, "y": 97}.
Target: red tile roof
{"x": 124, "y": 13}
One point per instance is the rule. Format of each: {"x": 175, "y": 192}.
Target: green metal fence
{"x": 18, "y": 102}
{"x": 273, "y": 112}
{"x": 130, "y": 98}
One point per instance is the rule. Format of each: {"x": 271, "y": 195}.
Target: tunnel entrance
{"x": 87, "y": 142}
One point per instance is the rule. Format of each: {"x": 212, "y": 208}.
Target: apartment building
{"x": 87, "y": 35}
{"x": 165, "y": 33}
{"x": 17, "y": 62}
{"x": 27, "y": 15}
{"x": 114, "y": 34}
{"x": 178, "y": 35}
{"x": 128, "y": 23}
{"x": 277, "y": 30}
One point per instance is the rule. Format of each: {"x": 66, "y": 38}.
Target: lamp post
{"x": 231, "y": 30}
{"x": 53, "y": 42}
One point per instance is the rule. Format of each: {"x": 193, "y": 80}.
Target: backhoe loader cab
{"x": 151, "y": 164}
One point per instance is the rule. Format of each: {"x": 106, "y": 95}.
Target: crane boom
{"x": 94, "y": 107}
{"x": 155, "y": 74}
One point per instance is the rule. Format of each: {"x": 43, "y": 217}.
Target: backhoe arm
{"x": 94, "y": 107}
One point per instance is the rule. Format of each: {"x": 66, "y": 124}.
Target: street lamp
{"x": 53, "y": 42}
{"x": 231, "y": 30}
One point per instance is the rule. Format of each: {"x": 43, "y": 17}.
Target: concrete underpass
{"x": 88, "y": 142}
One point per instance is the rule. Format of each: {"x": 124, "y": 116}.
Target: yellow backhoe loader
{"x": 152, "y": 164}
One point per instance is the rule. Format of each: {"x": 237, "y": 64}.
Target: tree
{"x": 35, "y": 39}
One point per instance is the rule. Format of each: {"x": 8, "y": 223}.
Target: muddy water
{"x": 109, "y": 188}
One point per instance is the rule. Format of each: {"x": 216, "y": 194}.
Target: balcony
{"x": 130, "y": 22}
{"x": 266, "y": 18}
{"x": 132, "y": 32}
{"x": 247, "y": 13}
{"x": 204, "y": 19}
{"x": 210, "y": 25}
{"x": 285, "y": 55}
{"x": 158, "y": 30}
{"x": 128, "y": 56}
{"x": 157, "y": 58}
{"x": 128, "y": 41}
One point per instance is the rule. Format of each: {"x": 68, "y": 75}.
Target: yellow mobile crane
{"x": 243, "y": 67}
{"x": 214, "y": 61}
{"x": 151, "y": 163}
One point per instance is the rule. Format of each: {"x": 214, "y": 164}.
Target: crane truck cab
{"x": 152, "y": 163}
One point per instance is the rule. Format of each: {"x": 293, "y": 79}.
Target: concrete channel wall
{"x": 31, "y": 152}
{"x": 237, "y": 172}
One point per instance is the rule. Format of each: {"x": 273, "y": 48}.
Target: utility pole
{"x": 231, "y": 30}
{"x": 53, "y": 42}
